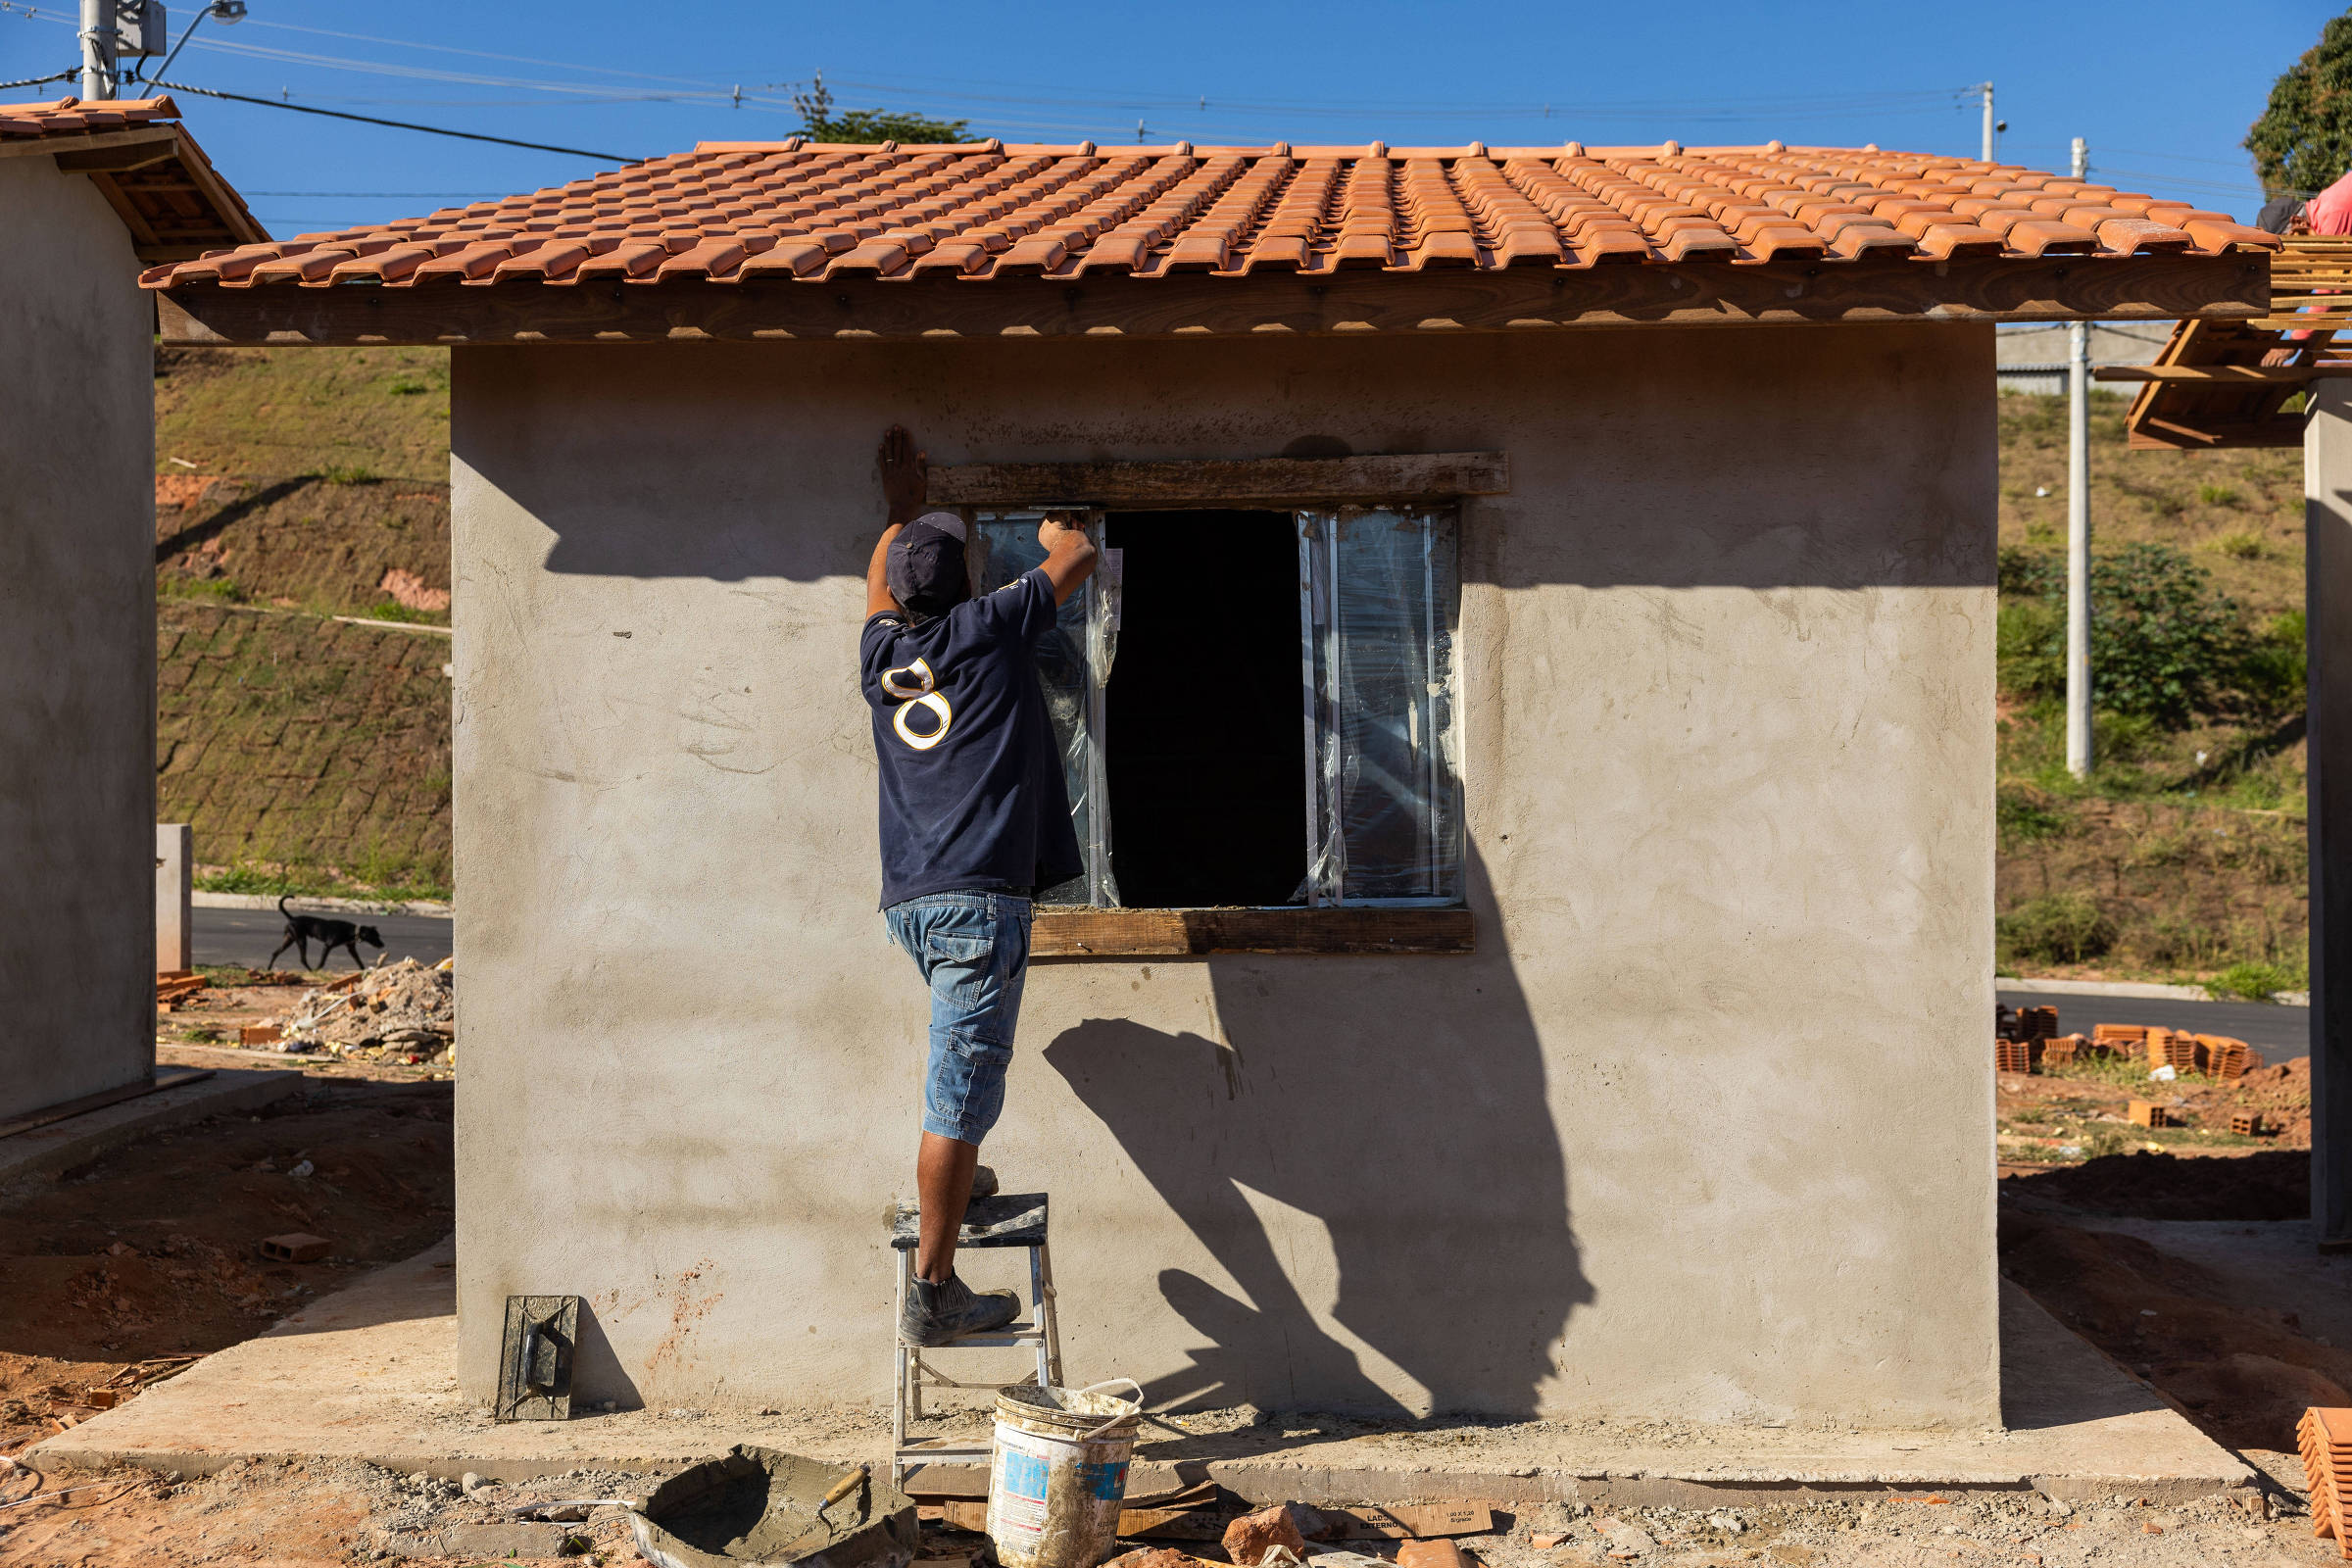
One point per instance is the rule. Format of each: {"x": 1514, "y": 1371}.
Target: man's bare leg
{"x": 943, "y": 1182}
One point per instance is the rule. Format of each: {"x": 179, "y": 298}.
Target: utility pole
{"x": 2077, "y": 530}
{"x": 1984, "y": 88}
{"x": 97, "y": 49}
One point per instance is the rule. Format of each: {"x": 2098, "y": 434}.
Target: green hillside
{"x": 310, "y": 752}
{"x": 2184, "y": 856}
{"x": 292, "y": 486}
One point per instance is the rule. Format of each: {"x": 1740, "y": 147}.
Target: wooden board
{"x": 1070, "y": 933}
{"x": 1395, "y": 477}
{"x": 1523, "y": 298}
{"x": 101, "y": 1100}
{"x": 2295, "y": 374}
{"x": 1410, "y": 1521}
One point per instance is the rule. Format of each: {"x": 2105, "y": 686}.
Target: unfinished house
{"x": 1534, "y": 749}
{"x": 89, "y": 193}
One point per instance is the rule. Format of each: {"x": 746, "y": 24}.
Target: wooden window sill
{"x": 1083, "y": 933}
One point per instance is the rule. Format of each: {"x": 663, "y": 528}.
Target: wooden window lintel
{"x": 1377, "y": 478}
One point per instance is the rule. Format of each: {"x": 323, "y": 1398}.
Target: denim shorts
{"x": 973, "y": 950}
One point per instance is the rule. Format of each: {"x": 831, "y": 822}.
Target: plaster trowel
{"x": 817, "y": 1534}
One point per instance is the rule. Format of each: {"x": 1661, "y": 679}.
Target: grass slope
{"x": 2183, "y": 855}
{"x": 308, "y": 754}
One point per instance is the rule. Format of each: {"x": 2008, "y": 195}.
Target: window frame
{"x": 1434, "y": 924}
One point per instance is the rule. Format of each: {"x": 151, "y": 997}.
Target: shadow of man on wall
{"x": 1401, "y": 1102}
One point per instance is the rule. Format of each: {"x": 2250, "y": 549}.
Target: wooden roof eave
{"x": 2055, "y": 288}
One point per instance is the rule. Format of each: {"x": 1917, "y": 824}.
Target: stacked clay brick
{"x": 2326, "y": 1438}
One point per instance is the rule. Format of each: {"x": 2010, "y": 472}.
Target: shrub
{"x": 2254, "y": 981}
{"x": 2275, "y": 666}
{"x": 2122, "y": 737}
{"x": 2164, "y": 644}
{"x": 2030, "y": 641}
{"x": 394, "y": 609}
{"x": 2059, "y": 928}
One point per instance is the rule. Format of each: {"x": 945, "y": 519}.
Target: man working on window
{"x": 975, "y": 819}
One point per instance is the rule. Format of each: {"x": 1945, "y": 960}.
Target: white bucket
{"x": 1057, "y": 1474}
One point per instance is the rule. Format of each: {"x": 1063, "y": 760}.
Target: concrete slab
{"x": 370, "y": 1373}
{"x": 62, "y": 1145}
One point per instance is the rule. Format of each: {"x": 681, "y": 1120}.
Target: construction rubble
{"x": 404, "y": 1010}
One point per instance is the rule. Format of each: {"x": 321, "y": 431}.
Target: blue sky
{"x": 2163, "y": 89}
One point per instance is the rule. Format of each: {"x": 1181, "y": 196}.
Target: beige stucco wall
{"x": 1701, "y": 1130}
{"x": 77, "y": 644}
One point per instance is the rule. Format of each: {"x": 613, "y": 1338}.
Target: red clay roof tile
{"x": 734, "y": 210}
{"x": 184, "y": 204}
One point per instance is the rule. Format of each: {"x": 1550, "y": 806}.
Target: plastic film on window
{"x": 1073, "y": 661}
{"x": 1377, "y": 596}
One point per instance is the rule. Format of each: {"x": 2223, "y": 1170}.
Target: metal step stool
{"x": 1009, "y": 1219}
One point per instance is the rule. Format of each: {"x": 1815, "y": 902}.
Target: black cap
{"x": 2277, "y": 213}
{"x": 925, "y": 567}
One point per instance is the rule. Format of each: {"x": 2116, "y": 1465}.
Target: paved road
{"x": 247, "y": 936}
{"x": 2279, "y": 1033}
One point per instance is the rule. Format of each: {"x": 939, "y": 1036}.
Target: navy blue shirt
{"x": 972, "y": 791}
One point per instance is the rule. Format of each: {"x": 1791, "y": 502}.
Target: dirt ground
{"x": 2045, "y": 1121}
{"x": 310, "y": 1515}
{"x": 120, "y": 1272}
{"x": 127, "y": 1268}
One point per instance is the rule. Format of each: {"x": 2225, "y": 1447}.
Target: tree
{"x": 2303, "y": 142}
{"x": 819, "y": 122}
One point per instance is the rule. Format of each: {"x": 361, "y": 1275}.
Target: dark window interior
{"x": 1205, "y": 748}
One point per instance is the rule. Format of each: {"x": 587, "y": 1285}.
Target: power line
{"x": 399, "y": 125}
{"x": 36, "y": 82}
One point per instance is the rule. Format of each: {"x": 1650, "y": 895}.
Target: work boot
{"x": 984, "y": 1182}
{"x": 935, "y": 1314}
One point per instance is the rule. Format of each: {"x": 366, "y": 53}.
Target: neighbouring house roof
{"x": 734, "y": 212}
{"x": 2214, "y": 383}
{"x": 148, "y": 167}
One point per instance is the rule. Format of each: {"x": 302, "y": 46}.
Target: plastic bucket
{"x": 1057, "y": 1474}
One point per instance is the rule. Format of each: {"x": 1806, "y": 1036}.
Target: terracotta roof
{"x": 729, "y": 212}
{"x": 149, "y": 168}
{"x": 71, "y": 117}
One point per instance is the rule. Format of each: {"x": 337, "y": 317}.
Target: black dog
{"x": 304, "y": 929}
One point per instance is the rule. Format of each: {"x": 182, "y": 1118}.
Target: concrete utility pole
{"x": 2078, "y": 530}
{"x": 1986, "y": 90}
{"x": 97, "y": 48}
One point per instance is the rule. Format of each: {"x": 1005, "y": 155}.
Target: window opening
{"x": 1275, "y": 670}
{"x": 1202, "y": 738}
